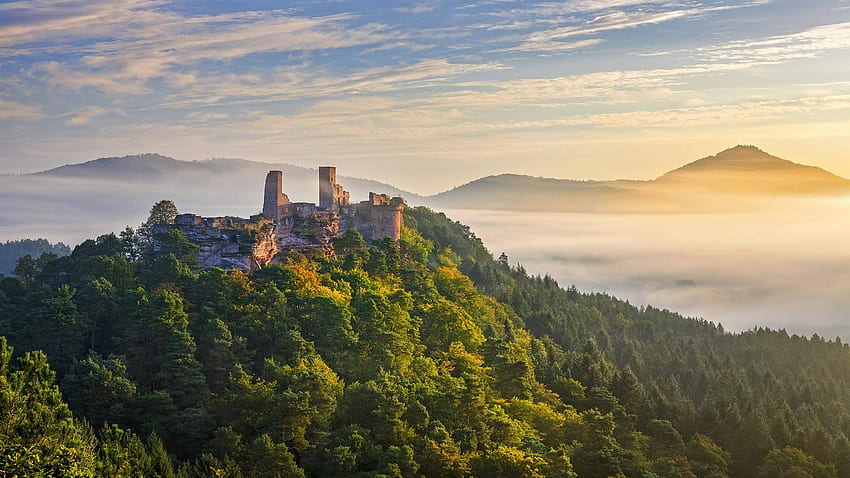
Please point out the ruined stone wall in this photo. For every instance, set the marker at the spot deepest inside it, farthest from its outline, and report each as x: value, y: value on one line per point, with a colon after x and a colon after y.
x: 327, y: 187
x: 296, y: 211
x: 341, y: 196
x: 247, y: 244
x: 378, y: 218
x: 273, y: 196
x: 376, y: 199
x: 386, y: 221
x: 188, y: 220
x: 332, y: 196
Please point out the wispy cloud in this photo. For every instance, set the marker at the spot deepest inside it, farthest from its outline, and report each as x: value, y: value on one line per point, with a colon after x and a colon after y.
x: 363, y: 123
x: 19, y: 111
x: 419, y: 8
x: 780, y: 109
x: 429, y: 77
x: 310, y: 82
x: 553, y: 44
x: 559, y: 12
x: 725, y: 114
x: 626, y: 86
x: 810, y: 43
x: 86, y: 115
x: 29, y: 24
x: 145, y: 42
x: 556, y: 38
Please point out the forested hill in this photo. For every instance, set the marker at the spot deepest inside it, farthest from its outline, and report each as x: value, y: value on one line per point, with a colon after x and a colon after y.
x: 144, y: 172
x: 71, y: 202
x: 11, y: 251
x: 426, y: 357
x: 738, y: 178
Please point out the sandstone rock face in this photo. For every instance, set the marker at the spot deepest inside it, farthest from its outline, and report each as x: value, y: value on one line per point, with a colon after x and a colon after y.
x: 265, y: 249
x: 227, y: 242
x: 248, y: 244
x: 285, y: 226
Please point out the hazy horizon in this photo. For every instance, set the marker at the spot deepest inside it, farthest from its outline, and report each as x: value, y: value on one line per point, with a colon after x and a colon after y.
x: 683, y: 163
x: 753, y: 269
x: 429, y: 95
x: 426, y: 95
x: 783, y: 265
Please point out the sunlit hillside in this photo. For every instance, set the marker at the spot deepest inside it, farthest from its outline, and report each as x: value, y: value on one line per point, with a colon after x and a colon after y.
x: 737, y: 179
x: 744, y: 170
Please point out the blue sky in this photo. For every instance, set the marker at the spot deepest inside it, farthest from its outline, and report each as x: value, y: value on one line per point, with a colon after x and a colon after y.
x: 426, y: 94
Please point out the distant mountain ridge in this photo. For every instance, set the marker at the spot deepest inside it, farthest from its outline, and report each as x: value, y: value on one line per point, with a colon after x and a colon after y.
x: 744, y: 169
x: 745, y: 158
x: 739, y: 171
x: 69, y: 202
x: 144, y: 167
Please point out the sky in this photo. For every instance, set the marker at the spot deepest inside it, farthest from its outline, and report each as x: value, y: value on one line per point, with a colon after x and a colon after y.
x: 426, y: 94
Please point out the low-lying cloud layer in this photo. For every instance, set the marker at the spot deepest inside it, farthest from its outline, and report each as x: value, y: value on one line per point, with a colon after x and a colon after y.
x: 785, y: 268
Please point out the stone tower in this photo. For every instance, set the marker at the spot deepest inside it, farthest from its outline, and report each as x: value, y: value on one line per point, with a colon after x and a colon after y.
x: 386, y: 216
x: 331, y: 194
x: 273, y: 197
x: 327, y: 187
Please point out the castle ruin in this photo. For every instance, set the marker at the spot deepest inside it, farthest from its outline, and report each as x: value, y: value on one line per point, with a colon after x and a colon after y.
x: 247, y: 244
x: 331, y: 195
x: 377, y: 218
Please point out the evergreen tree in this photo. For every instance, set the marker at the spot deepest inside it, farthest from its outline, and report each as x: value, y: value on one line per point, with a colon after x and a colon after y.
x: 38, y: 435
x: 163, y: 212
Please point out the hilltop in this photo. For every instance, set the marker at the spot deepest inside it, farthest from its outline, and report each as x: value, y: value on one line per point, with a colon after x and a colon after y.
x: 702, y: 184
x: 236, y: 174
x: 418, y: 357
x: 70, y: 202
x: 749, y: 170
x: 519, y: 192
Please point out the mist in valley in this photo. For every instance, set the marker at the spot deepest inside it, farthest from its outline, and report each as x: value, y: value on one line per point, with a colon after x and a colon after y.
x: 780, y: 263
x: 787, y: 266
x: 72, y: 210
x: 74, y: 203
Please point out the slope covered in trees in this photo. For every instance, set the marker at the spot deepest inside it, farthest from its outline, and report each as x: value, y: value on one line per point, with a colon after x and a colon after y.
x: 11, y: 251
x: 425, y: 357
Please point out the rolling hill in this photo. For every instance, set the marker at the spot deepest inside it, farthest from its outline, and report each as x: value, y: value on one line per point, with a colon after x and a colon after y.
x: 744, y: 174
x: 749, y: 170
x: 69, y: 202
x: 243, y: 176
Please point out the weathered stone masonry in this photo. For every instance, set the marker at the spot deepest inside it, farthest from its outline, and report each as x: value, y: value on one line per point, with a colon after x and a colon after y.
x: 246, y: 244
x: 377, y: 218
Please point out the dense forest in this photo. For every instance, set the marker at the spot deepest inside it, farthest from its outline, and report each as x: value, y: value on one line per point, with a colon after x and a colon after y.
x: 11, y: 251
x: 422, y: 357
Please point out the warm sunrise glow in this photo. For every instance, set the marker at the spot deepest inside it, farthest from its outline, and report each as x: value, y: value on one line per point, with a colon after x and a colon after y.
x: 426, y: 94
x: 425, y: 238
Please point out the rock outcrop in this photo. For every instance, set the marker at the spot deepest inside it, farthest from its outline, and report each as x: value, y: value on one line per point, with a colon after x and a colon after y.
x: 285, y: 226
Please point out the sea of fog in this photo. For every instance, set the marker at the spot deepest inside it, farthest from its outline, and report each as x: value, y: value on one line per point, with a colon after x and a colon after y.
x: 784, y: 268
